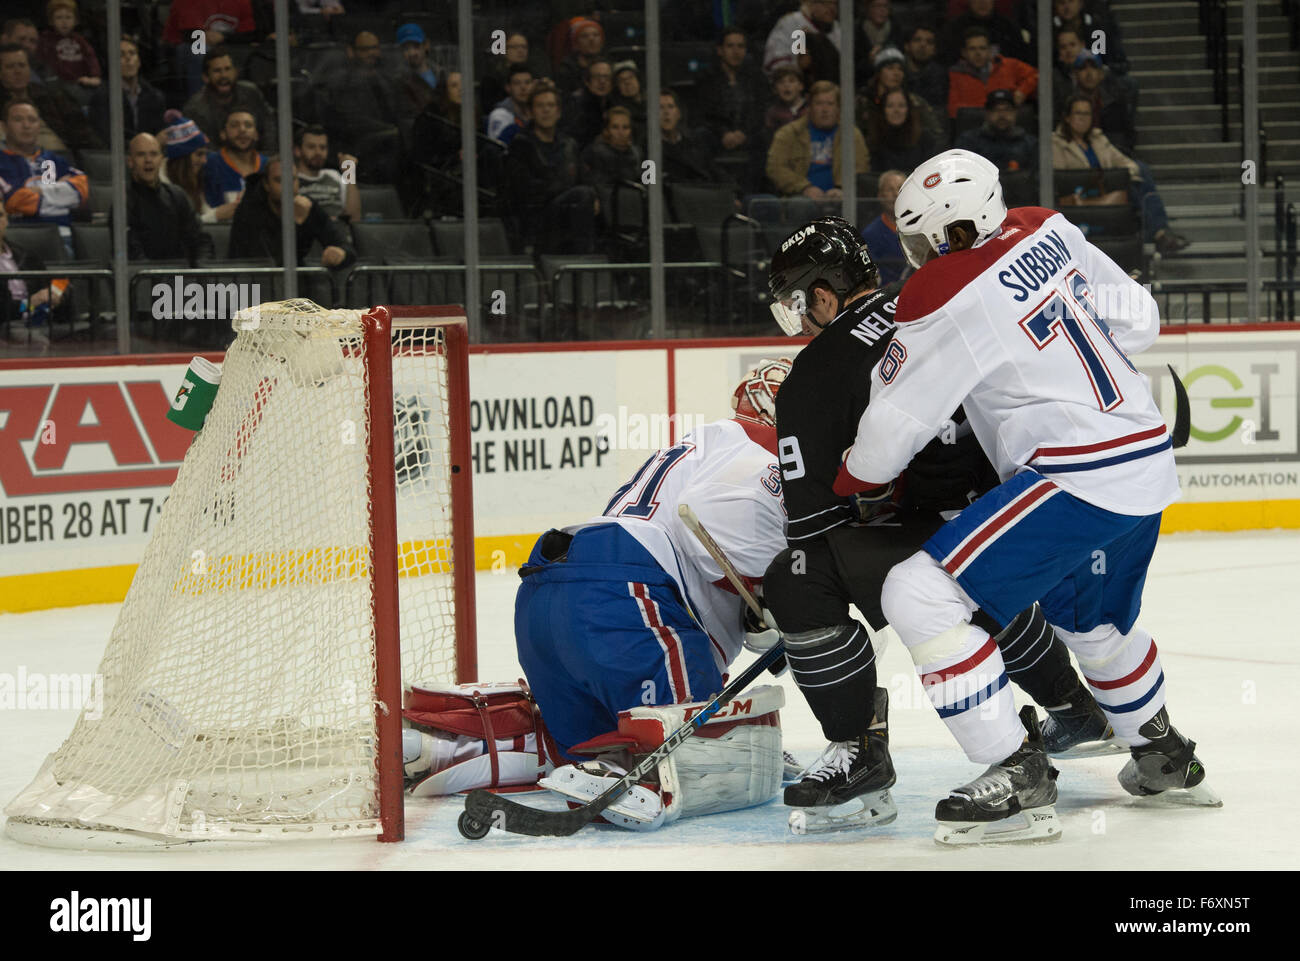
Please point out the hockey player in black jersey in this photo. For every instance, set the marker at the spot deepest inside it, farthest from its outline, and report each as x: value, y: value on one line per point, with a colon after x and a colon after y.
x: 824, y: 284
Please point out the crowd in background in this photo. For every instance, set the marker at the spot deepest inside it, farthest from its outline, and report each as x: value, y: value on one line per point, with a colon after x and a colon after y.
x: 750, y: 102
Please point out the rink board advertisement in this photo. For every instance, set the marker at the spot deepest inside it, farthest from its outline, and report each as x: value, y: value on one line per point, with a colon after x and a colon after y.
x: 87, y: 455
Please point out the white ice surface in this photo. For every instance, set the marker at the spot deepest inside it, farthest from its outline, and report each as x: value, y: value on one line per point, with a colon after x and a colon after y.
x: 1225, y: 613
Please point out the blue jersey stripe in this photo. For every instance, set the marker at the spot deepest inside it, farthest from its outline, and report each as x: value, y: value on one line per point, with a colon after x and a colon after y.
x: 1105, y: 462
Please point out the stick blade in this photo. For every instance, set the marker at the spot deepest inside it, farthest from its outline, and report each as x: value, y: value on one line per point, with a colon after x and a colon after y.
x: 515, y: 818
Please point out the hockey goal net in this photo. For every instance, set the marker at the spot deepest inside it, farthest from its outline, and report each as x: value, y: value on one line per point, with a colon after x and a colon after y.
x: 315, y: 549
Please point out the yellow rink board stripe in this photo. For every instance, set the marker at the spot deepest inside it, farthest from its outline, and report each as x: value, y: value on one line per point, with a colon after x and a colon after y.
x: 108, y: 585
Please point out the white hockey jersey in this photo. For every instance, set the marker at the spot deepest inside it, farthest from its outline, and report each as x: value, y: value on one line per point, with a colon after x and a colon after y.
x: 1028, y: 331
x: 734, y: 486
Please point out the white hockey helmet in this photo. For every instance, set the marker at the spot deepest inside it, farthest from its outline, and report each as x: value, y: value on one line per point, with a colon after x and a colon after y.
x: 949, y: 188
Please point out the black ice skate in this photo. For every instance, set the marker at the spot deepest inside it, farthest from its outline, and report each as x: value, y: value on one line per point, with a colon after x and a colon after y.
x: 1078, y: 728
x: 848, y: 786
x: 1167, y: 768
x: 1011, y: 801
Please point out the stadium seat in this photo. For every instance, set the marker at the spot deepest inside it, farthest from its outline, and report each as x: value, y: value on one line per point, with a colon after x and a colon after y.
x: 220, y: 234
x: 97, y: 164
x: 1103, y: 181
x: 93, y: 242
x: 377, y: 240
x: 41, y: 239
x: 449, y: 238
x: 381, y: 202
x: 1112, y: 221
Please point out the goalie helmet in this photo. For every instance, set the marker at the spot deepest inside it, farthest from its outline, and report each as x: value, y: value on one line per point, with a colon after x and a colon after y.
x: 754, y: 400
x: 947, y: 189
x: 828, y: 251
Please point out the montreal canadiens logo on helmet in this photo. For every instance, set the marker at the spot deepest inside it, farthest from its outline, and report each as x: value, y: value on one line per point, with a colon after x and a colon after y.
x: 932, y: 180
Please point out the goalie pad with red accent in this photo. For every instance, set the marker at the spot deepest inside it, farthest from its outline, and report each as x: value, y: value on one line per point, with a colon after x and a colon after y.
x: 734, y: 761
x: 464, y: 736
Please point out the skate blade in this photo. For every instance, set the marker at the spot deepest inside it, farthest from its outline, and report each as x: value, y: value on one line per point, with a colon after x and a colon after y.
x: 1035, y: 826
x: 1202, y: 796
x: 868, y: 810
x: 1091, y: 749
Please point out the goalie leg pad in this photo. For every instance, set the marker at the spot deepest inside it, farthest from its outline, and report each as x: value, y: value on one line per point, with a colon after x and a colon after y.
x: 734, y: 761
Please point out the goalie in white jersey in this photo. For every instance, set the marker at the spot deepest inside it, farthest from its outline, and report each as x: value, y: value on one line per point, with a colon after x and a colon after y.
x: 624, y: 622
x: 1025, y: 324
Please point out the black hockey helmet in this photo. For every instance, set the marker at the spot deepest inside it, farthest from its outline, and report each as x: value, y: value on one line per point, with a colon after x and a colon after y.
x: 828, y: 251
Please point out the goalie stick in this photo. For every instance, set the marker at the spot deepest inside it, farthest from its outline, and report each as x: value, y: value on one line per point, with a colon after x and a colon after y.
x: 485, y: 810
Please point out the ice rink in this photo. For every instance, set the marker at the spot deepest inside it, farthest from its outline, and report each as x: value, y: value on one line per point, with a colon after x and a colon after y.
x: 1224, y: 610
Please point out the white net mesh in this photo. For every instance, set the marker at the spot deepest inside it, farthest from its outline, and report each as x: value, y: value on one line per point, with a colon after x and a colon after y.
x: 238, y: 691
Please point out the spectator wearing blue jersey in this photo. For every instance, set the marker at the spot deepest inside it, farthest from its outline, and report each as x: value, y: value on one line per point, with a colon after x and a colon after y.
x: 237, y: 159
x: 881, y: 235
x: 510, y: 115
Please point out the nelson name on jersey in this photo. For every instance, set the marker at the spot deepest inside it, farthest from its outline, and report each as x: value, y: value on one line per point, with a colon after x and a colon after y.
x: 1036, y: 266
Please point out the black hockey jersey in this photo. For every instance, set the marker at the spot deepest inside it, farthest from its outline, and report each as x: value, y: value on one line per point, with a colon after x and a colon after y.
x: 818, y: 408
x: 817, y: 412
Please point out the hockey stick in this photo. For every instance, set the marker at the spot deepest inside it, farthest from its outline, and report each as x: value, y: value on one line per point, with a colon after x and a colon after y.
x: 485, y: 810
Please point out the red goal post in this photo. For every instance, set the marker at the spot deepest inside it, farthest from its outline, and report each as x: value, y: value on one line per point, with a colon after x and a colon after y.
x: 315, y: 555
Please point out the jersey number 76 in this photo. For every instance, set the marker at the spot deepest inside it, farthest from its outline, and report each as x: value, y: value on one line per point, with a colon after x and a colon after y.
x: 1074, y: 316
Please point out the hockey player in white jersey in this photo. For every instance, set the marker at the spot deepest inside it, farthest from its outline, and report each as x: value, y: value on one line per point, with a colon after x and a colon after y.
x: 624, y: 624
x: 1019, y: 319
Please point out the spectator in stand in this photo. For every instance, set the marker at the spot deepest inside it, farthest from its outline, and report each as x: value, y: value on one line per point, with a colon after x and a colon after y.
x: 63, y: 125
x: 612, y: 157
x: 222, y: 93
x: 228, y: 168
x: 879, y: 30
x: 1000, y: 140
x: 686, y: 21
x: 160, y: 222
x: 435, y: 135
x: 586, y: 41
x: 1092, y: 25
x: 889, y: 76
x: 38, y: 186
x: 1068, y: 46
x: 584, y: 111
x: 881, y: 235
x: 417, y: 81
x: 558, y: 213
x: 142, y: 103
x: 255, y: 231
x: 220, y: 21
x: 497, y: 70
x: 1002, y: 33
x: 324, y: 186
x: 980, y: 71
x: 922, y: 73
x: 805, y: 156
x: 896, y: 136
x: 509, y: 116
x: 23, y: 32
x: 732, y: 109
x: 788, y: 102
x: 70, y: 56
x: 25, y: 304
x: 821, y: 40
x: 627, y: 94
x: 361, y: 113
x: 1078, y: 144
x: 687, y: 157
x: 186, y: 149
x: 1109, y: 98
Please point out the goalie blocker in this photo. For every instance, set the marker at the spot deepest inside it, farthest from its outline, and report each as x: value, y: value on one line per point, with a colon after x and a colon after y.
x: 734, y: 761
